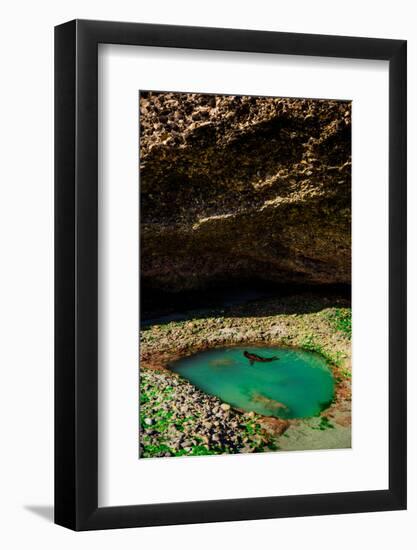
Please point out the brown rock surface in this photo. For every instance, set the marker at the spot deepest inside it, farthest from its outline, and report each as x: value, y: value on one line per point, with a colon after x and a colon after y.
x: 244, y: 187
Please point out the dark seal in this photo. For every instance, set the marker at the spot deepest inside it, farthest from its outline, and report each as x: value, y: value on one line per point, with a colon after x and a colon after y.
x: 257, y: 358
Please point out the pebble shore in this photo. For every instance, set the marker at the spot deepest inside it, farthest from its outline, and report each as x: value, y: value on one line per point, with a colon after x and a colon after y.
x: 178, y: 419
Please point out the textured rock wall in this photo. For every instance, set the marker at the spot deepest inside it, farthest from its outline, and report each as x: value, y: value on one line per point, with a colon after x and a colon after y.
x: 244, y: 187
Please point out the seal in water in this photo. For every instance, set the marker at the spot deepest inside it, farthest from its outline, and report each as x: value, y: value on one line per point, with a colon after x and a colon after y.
x: 253, y: 357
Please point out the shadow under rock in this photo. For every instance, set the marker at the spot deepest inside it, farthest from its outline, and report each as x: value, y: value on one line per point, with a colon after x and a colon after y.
x: 241, y: 301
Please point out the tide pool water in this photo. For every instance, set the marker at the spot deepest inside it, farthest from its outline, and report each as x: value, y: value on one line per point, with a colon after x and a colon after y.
x: 297, y: 384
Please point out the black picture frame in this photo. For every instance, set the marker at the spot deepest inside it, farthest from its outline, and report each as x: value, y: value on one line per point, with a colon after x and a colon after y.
x: 76, y: 271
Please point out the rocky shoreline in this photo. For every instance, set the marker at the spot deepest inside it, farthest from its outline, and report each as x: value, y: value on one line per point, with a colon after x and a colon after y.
x: 177, y: 419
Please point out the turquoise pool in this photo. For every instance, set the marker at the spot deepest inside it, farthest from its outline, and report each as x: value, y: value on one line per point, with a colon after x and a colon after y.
x: 294, y: 384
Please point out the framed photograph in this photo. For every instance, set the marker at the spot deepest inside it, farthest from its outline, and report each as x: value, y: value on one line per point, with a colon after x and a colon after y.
x: 230, y: 245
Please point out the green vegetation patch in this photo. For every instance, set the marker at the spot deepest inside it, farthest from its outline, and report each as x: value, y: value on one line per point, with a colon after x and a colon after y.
x: 325, y: 424
x: 341, y: 320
